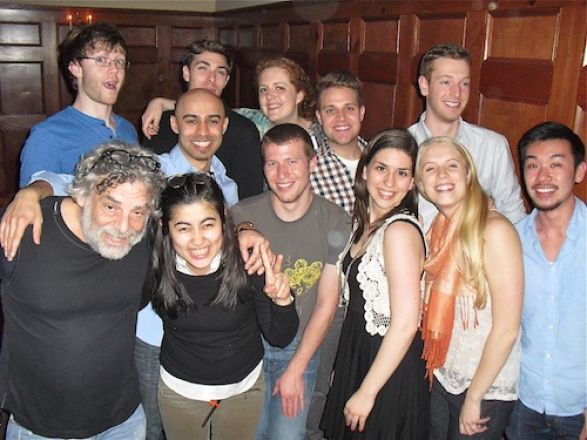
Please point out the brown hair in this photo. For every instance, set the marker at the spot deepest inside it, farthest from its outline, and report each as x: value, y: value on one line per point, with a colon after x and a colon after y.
x: 298, y: 77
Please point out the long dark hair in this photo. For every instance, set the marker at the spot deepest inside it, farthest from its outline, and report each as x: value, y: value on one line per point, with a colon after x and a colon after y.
x: 168, y: 293
x: 399, y: 139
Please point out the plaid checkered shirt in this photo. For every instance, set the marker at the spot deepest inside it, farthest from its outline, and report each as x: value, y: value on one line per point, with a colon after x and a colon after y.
x: 331, y: 179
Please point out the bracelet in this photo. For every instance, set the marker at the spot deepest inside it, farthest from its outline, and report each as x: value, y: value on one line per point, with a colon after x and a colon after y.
x: 245, y: 226
x: 291, y: 300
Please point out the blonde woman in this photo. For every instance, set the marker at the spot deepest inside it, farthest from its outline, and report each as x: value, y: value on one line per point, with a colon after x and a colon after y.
x: 474, y: 285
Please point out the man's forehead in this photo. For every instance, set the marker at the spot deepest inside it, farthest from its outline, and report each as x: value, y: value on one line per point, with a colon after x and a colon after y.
x: 549, y: 148
x: 133, y: 193
x: 104, y: 46
x: 201, y: 105
x: 206, y: 56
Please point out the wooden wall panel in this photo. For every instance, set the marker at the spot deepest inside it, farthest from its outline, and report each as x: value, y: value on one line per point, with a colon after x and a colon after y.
x: 511, y: 118
x: 527, y: 58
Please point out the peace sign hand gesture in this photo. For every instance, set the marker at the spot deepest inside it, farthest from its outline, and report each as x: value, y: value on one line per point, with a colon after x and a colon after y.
x: 276, y: 282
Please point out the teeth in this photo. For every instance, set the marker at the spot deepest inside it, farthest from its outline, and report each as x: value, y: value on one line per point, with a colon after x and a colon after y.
x: 452, y: 104
x: 544, y: 190
x: 284, y: 185
x: 444, y: 187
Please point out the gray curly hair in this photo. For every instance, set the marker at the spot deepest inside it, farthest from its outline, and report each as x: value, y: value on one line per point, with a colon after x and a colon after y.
x: 114, y: 163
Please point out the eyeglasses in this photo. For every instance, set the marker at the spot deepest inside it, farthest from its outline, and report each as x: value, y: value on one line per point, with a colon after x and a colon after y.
x: 114, y: 159
x: 100, y: 61
x: 181, y: 180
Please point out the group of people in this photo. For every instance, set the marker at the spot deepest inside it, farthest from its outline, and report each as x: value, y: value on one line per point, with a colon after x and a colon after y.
x: 267, y: 273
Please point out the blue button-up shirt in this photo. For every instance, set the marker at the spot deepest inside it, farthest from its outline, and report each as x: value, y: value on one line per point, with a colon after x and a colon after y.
x: 149, y: 324
x: 175, y: 162
x: 554, y: 330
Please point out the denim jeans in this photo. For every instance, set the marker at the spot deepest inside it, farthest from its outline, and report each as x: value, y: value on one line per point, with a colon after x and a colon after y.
x: 133, y: 428
x: 273, y: 424
x: 148, y: 368
x: 445, y: 409
x: 527, y: 424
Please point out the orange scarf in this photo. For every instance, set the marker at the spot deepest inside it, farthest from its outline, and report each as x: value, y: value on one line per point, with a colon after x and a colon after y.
x: 443, y: 285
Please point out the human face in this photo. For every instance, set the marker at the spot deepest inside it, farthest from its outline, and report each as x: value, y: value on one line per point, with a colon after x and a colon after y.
x: 278, y: 97
x: 96, y: 84
x: 114, y: 221
x: 196, y: 232
x: 447, y: 91
x: 287, y: 170
x: 443, y: 177
x: 208, y: 70
x: 200, y: 122
x: 340, y: 115
x: 388, y: 178
x: 550, y: 173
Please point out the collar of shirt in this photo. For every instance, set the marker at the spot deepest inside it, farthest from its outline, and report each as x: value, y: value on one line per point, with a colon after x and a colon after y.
x: 175, y: 162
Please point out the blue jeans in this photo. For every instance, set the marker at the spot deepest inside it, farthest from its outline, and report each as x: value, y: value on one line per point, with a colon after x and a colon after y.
x: 148, y: 368
x: 273, y: 424
x: 527, y: 424
x: 133, y: 428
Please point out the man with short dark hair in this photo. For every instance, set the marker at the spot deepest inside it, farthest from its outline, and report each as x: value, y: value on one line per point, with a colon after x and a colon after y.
x: 310, y: 232
x: 207, y: 64
x: 553, y: 380
x: 340, y: 112
x: 70, y: 303
x: 93, y: 60
x: 444, y: 81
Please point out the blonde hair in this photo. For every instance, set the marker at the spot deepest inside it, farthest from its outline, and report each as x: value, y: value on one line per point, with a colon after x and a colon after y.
x: 472, y: 221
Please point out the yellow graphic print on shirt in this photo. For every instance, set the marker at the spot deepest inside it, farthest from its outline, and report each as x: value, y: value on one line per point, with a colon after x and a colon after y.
x: 302, y: 276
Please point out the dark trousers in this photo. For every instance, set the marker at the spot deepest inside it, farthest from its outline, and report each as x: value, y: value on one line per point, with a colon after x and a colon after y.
x: 445, y: 409
x: 527, y: 424
x: 148, y: 365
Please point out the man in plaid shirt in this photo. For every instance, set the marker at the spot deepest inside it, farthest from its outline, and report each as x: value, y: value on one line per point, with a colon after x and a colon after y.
x: 340, y: 112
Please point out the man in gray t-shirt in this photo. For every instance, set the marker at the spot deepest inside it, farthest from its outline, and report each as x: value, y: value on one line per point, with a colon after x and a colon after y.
x: 310, y: 232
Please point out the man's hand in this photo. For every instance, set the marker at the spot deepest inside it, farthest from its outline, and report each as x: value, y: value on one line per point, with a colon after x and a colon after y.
x: 357, y: 409
x: 249, y: 243
x: 151, y: 117
x: 290, y: 387
x: 23, y: 211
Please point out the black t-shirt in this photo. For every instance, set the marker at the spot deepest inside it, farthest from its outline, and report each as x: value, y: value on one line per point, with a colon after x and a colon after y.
x: 240, y: 151
x: 211, y: 346
x: 70, y: 318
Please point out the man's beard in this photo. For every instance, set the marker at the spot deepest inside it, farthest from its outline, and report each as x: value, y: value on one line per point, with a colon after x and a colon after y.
x: 93, y: 236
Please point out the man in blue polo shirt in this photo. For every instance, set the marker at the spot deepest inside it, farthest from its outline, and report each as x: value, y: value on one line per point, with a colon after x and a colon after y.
x: 553, y: 384
x: 93, y: 61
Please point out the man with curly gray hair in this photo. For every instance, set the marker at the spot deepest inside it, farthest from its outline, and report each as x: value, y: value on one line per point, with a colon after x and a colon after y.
x: 70, y: 303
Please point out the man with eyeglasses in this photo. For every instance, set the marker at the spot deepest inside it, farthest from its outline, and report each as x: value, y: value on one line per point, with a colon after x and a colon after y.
x: 70, y: 303
x: 93, y: 61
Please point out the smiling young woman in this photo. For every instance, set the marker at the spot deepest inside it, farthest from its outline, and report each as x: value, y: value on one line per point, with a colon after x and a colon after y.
x: 213, y: 315
x: 473, y: 299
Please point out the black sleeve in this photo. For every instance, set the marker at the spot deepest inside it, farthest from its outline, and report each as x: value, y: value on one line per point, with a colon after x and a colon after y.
x: 166, y: 139
x: 240, y: 153
x: 6, y: 267
x: 279, y: 324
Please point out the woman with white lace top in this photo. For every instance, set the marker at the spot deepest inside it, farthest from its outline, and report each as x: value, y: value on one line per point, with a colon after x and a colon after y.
x: 473, y: 299
x: 379, y: 389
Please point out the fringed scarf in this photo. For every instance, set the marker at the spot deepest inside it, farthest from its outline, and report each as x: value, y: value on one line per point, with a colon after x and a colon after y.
x: 443, y: 285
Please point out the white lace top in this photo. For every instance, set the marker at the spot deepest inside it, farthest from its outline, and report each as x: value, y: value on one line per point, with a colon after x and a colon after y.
x: 465, y: 349
x: 372, y: 280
